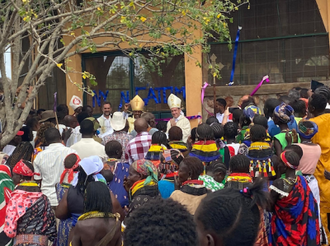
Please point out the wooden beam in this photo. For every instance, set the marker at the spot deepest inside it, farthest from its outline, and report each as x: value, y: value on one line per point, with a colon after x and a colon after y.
x: 324, y: 6
x: 265, y: 89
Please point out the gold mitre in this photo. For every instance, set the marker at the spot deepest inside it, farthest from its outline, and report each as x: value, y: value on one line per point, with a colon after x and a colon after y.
x: 173, y: 101
x: 137, y: 104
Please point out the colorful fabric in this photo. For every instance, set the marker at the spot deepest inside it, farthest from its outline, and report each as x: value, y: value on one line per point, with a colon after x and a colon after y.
x: 210, y: 183
x: 142, y: 195
x: 30, y: 239
x: 22, y: 169
x: 241, y: 135
x: 117, y: 183
x: 39, y: 220
x: 18, y: 205
x: 146, y: 168
x: 306, y: 132
x: 140, y: 184
x: 251, y: 110
x: 138, y: 147
x: 180, y: 145
x: 70, y: 171
x: 286, y: 162
x: 284, y: 113
x: 295, y: 218
x: 261, y: 164
x: 206, y: 151
x: 154, y: 152
x: 239, y: 177
x: 64, y: 226
x: 322, y: 139
x: 6, y: 187
x: 281, y: 138
x: 37, y: 150
x: 166, y: 188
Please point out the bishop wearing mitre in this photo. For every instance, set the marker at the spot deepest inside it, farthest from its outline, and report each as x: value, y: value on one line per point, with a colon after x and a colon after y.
x: 178, y: 117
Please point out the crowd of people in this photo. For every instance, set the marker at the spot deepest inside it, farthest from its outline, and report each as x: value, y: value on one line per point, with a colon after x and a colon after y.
x: 247, y: 176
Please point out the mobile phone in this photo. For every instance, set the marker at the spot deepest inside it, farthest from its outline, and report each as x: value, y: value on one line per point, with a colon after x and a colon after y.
x: 231, y: 109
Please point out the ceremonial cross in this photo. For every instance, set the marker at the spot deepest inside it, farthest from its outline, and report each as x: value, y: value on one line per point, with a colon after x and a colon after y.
x: 137, y: 102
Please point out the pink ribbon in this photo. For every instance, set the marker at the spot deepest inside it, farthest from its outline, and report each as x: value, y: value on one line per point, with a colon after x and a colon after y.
x: 202, y: 95
x: 265, y: 78
x: 193, y: 117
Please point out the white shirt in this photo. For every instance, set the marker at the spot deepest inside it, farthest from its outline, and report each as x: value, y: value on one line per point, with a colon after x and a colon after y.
x: 34, y: 133
x: 61, y: 128
x: 87, y: 147
x: 9, y: 149
x: 105, y: 125
x: 75, y: 137
x: 50, y: 164
x: 220, y: 117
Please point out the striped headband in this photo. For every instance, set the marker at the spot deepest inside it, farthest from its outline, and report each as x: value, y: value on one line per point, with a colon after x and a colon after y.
x: 288, y: 164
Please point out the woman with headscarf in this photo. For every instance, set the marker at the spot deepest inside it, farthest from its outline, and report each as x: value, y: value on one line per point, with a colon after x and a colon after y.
x: 189, y: 190
x: 29, y: 216
x: 141, y: 183
x: 168, y: 169
x: 6, y: 187
x: 71, y: 164
x: 72, y: 202
x: 295, y: 212
x: 283, y: 114
x: 23, y: 151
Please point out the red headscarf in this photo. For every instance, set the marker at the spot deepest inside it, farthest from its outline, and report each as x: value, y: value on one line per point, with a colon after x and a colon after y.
x: 22, y: 169
x: 5, y: 169
x: 70, y: 171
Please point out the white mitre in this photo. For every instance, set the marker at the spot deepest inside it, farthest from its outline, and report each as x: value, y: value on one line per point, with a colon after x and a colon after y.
x: 173, y: 101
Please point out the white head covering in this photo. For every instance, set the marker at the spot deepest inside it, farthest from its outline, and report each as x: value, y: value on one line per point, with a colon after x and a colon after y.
x: 118, y: 121
x: 173, y: 101
x: 75, y: 102
x: 91, y: 165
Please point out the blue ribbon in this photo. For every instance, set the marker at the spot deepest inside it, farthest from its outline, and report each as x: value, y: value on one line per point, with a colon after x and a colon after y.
x: 234, y: 58
x: 151, y: 95
x: 123, y: 97
x: 181, y: 91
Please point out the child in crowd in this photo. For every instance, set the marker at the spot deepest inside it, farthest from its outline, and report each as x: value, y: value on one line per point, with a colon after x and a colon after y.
x: 230, y: 134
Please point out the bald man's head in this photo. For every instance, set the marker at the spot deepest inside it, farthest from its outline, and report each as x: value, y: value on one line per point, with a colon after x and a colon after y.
x: 140, y: 125
x: 70, y: 121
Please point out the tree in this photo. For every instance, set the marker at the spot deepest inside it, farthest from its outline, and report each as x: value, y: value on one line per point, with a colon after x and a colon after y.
x: 161, y: 27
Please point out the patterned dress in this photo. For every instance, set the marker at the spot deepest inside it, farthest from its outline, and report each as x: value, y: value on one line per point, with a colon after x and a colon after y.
x: 295, y: 218
x: 64, y: 226
x: 30, y: 219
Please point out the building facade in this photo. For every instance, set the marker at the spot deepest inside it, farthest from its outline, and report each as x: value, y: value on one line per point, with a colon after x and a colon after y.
x: 285, y: 39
